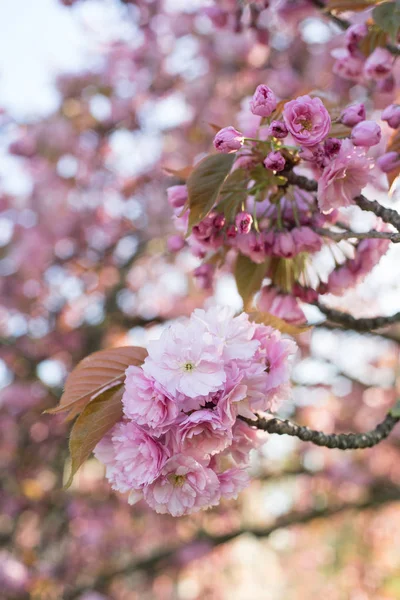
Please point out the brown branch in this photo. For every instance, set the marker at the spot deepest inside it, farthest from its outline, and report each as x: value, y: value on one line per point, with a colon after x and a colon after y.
x: 388, y: 215
x: 168, y: 556
x: 341, y: 441
x: 361, y: 324
x: 338, y: 236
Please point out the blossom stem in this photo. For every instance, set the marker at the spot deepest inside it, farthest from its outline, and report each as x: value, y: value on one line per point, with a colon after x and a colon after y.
x: 341, y: 441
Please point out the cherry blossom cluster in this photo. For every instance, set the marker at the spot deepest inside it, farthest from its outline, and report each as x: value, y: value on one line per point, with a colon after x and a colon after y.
x: 181, y: 446
x: 260, y: 215
x: 352, y: 62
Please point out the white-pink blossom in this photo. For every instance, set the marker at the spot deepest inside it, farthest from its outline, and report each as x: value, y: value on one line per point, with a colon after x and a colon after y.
x: 184, y: 486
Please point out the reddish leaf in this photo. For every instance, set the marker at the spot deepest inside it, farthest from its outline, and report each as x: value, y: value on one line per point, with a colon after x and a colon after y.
x: 97, y: 418
x: 94, y: 375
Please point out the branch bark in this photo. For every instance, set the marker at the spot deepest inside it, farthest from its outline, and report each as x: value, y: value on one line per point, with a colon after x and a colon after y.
x: 388, y: 215
x: 338, y: 236
x: 341, y: 441
x: 361, y: 324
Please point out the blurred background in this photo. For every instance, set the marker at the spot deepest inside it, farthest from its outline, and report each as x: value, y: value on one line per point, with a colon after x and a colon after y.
x: 99, y: 100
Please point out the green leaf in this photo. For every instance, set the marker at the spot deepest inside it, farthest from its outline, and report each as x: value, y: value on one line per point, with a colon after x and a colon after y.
x: 233, y: 192
x: 387, y: 17
x: 204, y: 185
x: 99, y: 416
x: 249, y: 277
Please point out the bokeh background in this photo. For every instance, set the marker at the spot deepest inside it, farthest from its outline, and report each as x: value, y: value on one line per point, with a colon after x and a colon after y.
x: 99, y: 99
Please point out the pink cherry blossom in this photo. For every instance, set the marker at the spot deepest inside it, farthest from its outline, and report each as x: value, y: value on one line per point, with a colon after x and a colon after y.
x: 203, y: 433
x: 145, y: 402
x: 307, y: 120
x: 233, y: 335
x: 132, y: 457
x: 184, y: 486
x: 344, y: 178
x: 184, y: 360
x: 233, y: 481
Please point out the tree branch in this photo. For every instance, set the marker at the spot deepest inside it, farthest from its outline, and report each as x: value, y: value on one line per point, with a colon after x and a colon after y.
x: 167, y: 556
x: 338, y: 236
x: 388, y: 215
x: 361, y: 324
x: 341, y: 441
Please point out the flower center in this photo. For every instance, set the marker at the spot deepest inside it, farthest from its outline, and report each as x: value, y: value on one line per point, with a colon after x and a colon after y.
x: 178, y: 480
x: 306, y: 124
x: 188, y: 366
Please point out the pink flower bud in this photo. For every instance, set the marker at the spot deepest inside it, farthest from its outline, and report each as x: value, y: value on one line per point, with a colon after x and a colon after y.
x: 244, y: 222
x: 388, y: 162
x: 219, y: 222
x: 379, y: 64
x: 177, y: 195
x: 352, y: 115
x: 217, y: 16
x: 278, y: 130
x: 263, y: 102
x: 332, y: 147
x: 228, y: 140
x: 275, y: 161
x: 348, y: 66
x: 391, y: 115
x: 386, y: 86
x: 366, y: 133
x: 204, y: 276
x: 231, y: 231
x: 355, y: 33
x: 175, y: 243
x: 284, y: 245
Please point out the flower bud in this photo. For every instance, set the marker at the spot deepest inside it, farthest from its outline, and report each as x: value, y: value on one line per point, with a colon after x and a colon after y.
x: 175, y: 243
x: 352, y: 115
x: 355, y: 33
x: 275, y: 161
x: 231, y: 231
x: 177, y: 195
x: 244, y: 222
x: 263, y: 102
x: 228, y: 140
x: 332, y: 147
x: 366, y: 133
x: 204, y: 276
x: 391, y: 115
x: 388, y: 162
x: 379, y: 64
x: 278, y: 130
x: 219, y: 221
